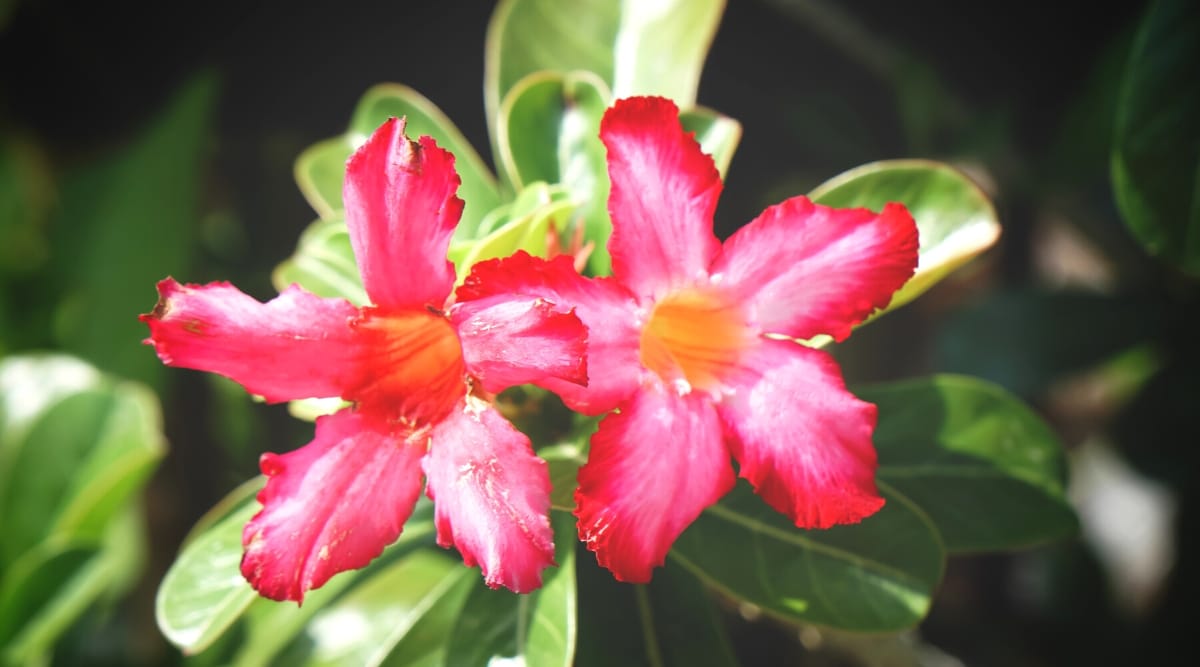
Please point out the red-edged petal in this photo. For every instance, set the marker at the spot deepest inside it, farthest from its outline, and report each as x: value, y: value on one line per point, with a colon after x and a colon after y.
x: 401, y: 209
x: 330, y: 506
x: 296, y: 345
x: 491, y: 497
x: 801, y: 439
x: 664, y: 192
x: 606, y: 308
x: 510, y: 339
x: 808, y: 269
x: 653, y: 467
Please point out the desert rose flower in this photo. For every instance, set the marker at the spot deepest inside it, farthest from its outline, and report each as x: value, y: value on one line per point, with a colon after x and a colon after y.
x: 417, y: 368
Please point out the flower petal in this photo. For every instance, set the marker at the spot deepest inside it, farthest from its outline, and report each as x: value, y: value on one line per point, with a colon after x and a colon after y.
x: 801, y: 439
x: 401, y: 209
x: 664, y: 192
x: 606, y: 308
x: 296, y: 345
x: 509, y: 340
x: 653, y: 467
x: 330, y: 506
x: 491, y: 497
x: 808, y: 269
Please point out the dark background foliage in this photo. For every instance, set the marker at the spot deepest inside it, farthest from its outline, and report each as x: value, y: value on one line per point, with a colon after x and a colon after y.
x: 1021, y: 92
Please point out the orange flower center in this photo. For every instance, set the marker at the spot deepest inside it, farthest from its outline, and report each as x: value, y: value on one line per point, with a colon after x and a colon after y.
x: 693, y: 339
x: 412, y: 367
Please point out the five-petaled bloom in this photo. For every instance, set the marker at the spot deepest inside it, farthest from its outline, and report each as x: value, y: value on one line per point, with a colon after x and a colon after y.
x: 417, y: 370
x: 680, y: 345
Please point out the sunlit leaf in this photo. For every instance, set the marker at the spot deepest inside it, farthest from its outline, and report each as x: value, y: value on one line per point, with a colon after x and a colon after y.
x: 718, y: 134
x: 126, y: 222
x: 875, y: 576
x: 955, y: 219
x: 549, y: 130
x: 323, y: 263
x: 204, y: 591
x: 536, y: 630
x: 637, y: 48
x: 363, y: 626
x: 986, y: 469
x: 526, y: 224
x: 1156, y: 146
x: 321, y: 168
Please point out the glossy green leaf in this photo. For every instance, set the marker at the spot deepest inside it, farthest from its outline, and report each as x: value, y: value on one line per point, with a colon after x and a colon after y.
x: 204, y: 593
x: 321, y: 168
x: 109, y: 570
x: 271, y: 627
x: 363, y: 626
x: 1156, y: 148
x: 126, y: 222
x: 536, y: 630
x: 35, y: 579
x: 718, y: 134
x: 425, y: 643
x: 549, y: 130
x: 323, y: 263
x: 875, y: 576
x: 987, y: 470
x: 74, y: 448
x: 955, y: 219
x: 526, y: 224
x: 671, y: 622
x: 637, y: 48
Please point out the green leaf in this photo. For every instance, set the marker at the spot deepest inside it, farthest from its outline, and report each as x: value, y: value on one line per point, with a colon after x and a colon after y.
x: 718, y: 134
x: 74, y: 447
x: 671, y: 622
x: 536, y: 630
x: 637, y: 48
x: 323, y: 264
x: 109, y: 570
x: 875, y: 576
x: 363, y: 626
x: 321, y: 168
x: 126, y: 222
x: 955, y: 219
x: 26, y: 195
x: 1156, y: 149
x: 549, y: 130
x: 35, y: 579
x: 425, y: 643
x: 204, y: 593
x: 526, y: 224
x: 981, y: 464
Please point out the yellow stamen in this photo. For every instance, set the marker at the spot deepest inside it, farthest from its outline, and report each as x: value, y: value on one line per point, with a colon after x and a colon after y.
x: 693, y: 339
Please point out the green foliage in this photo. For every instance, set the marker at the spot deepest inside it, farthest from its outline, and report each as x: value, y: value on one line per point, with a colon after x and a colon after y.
x: 955, y: 219
x: 1156, y: 148
x: 76, y: 446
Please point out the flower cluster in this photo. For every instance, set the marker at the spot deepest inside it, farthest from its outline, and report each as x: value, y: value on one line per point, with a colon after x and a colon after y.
x: 689, y: 348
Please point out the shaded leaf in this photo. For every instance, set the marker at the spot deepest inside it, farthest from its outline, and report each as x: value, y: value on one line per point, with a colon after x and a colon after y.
x: 718, y: 134
x: 987, y: 470
x: 955, y: 219
x: 1156, y: 148
x: 875, y: 576
x: 126, y: 222
x: 323, y: 264
x: 537, y: 629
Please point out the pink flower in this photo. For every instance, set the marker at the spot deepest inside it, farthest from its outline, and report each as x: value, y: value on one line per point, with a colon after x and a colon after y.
x: 415, y: 368
x: 681, y: 345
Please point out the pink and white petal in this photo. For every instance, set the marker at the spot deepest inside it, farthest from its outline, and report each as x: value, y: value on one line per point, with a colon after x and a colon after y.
x: 491, y: 497
x: 808, y: 269
x: 800, y: 437
x: 509, y: 340
x: 401, y: 210
x: 297, y: 345
x: 604, y: 306
x: 653, y: 467
x: 330, y: 506
x: 664, y: 192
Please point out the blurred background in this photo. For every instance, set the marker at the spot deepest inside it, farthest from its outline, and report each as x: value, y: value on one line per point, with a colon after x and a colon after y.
x: 140, y: 140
